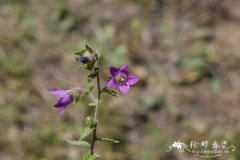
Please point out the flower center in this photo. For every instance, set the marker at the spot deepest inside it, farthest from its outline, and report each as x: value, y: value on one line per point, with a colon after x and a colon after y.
x: 121, y: 78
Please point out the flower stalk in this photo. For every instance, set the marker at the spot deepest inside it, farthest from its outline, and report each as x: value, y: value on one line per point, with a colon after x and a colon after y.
x: 94, y: 134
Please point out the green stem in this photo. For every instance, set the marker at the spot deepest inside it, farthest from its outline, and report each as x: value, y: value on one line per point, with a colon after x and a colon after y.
x: 94, y: 135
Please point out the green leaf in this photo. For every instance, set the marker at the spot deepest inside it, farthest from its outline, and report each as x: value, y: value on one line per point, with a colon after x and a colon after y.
x: 109, y: 140
x: 79, y: 143
x: 95, y: 103
x: 87, y: 156
x: 96, y: 69
x: 85, y: 132
x: 89, y: 49
x: 81, y: 53
x: 92, y: 104
x: 91, y: 77
x: 89, y: 122
x: 90, y: 88
x: 111, y: 92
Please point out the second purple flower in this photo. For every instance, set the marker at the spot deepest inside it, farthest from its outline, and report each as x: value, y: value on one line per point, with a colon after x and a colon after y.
x: 66, y: 98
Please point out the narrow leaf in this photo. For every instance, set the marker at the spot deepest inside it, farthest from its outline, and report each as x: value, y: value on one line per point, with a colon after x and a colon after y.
x: 89, y: 122
x: 90, y: 88
x: 89, y: 49
x: 85, y: 132
x: 80, y: 53
x: 111, y: 92
x: 109, y: 140
x: 87, y: 156
x: 79, y: 143
x: 92, y: 104
x: 91, y: 77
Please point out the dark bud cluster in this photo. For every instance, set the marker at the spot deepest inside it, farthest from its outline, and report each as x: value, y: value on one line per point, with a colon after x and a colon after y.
x: 83, y: 60
x: 87, y: 58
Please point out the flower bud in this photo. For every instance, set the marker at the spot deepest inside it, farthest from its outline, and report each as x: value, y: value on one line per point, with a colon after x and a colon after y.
x: 88, y: 58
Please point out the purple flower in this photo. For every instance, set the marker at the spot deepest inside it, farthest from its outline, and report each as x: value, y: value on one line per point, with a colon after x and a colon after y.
x: 65, y: 99
x: 122, y: 79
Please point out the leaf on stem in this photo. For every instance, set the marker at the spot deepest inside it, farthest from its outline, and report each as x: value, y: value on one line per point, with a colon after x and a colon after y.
x: 85, y: 132
x: 111, y: 92
x: 92, y: 104
x: 79, y: 143
x: 89, y: 49
x: 80, y: 53
x: 90, y: 88
x: 91, y: 77
x: 109, y: 140
x: 87, y: 156
x: 89, y: 122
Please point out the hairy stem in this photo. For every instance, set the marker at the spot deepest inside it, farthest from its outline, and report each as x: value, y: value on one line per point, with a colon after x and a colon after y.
x: 94, y: 135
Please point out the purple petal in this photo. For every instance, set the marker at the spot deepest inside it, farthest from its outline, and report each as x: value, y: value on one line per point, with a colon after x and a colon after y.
x: 125, y: 69
x: 124, y: 89
x: 64, y: 101
x: 114, y: 71
x: 112, y: 83
x: 63, y: 110
x: 132, y: 80
x: 59, y: 92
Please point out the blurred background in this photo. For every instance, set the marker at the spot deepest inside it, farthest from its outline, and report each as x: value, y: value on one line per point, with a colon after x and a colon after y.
x: 186, y: 52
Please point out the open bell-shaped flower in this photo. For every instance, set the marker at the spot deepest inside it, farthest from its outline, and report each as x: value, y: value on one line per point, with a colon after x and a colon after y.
x: 122, y: 79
